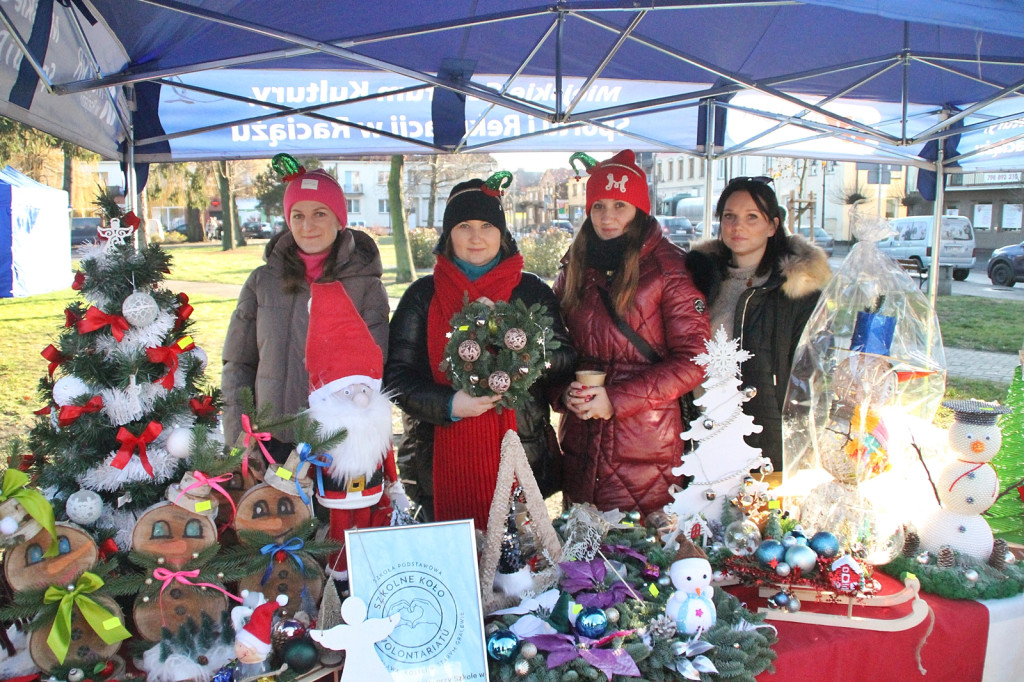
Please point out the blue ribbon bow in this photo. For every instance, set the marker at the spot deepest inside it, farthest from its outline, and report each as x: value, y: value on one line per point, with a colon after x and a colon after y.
x: 290, y: 548
x: 317, y: 463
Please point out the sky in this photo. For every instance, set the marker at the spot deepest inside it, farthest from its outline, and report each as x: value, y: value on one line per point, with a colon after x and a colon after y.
x: 538, y: 161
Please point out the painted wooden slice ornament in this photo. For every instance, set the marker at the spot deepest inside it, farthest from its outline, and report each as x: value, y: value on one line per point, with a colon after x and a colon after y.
x: 266, y: 509
x: 169, y: 531
x: 174, y: 607
x: 286, y: 578
x: 86, y: 646
x: 25, y: 566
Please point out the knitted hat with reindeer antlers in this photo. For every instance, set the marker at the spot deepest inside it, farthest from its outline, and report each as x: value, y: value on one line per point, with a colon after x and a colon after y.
x: 616, y: 178
x: 475, y: 199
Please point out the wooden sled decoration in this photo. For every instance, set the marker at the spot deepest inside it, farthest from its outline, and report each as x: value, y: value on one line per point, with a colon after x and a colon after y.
x: 909, y: 593
x: 514, y: 466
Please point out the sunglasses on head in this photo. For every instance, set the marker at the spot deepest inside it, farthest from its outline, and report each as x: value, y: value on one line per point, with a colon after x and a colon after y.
x: 762, y: 179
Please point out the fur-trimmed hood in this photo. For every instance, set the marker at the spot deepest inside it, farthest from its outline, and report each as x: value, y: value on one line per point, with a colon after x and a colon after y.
x: 803, y: 269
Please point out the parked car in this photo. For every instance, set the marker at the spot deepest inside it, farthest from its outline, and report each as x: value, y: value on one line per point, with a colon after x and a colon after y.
x: 678, y: 229
x: 1006, y: 266
x: 913, y: 241
x: 563, y: 225
x: 821, y: 238
x: 84, y: 230
x: 257, y: 228
x: 699, y: 229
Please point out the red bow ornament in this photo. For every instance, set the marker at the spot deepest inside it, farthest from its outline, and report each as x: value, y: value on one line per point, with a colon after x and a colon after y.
x: 54, y: 356
x: 184, y: 310
x: 79, y: 281
x: 71, y: 317
x: 97, y: 319
x: 203, y: 407
x: 168, y: 355
x: 69, y: 413
x: 130, y: 443
x: 131, y: 220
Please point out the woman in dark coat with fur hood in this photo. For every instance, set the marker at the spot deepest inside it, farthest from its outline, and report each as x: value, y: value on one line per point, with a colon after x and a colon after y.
x: 762, y: 286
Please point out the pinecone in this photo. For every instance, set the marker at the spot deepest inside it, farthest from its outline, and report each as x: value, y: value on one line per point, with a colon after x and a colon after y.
x: 662, y: 627
x: 998, y: 558
x: 946, y: 557
x: 911, y: 543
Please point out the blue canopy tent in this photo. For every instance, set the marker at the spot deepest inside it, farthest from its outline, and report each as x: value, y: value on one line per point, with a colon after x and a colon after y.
x: 176, y: 80
x: 35, y: 242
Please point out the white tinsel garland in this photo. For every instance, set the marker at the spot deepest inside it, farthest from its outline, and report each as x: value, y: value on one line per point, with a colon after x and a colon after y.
x: 137, y: 340
x: 122, y: 406
x: 110, y: 479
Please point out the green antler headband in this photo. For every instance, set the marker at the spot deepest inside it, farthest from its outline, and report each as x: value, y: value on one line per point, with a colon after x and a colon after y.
x: 287, y: 167
x: 585, y: 159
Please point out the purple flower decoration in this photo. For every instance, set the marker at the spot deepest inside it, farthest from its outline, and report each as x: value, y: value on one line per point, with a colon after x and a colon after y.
x: 564, y: 648
x: 624, y: 550
x: 585, y: 581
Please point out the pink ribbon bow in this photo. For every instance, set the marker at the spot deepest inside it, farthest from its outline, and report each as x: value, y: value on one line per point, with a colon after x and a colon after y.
x: 260, y: 438
x: 202, y: 479
x: 168, y: 576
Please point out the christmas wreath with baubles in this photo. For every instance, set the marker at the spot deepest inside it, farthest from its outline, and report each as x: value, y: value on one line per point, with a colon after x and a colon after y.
x: 499, y: 350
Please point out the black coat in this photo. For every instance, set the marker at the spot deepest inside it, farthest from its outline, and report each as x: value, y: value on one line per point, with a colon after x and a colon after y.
x: 769, y: 321
x: 425, y: 403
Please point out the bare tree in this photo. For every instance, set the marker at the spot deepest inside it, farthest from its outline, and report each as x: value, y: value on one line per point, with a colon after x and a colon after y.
x: 396, y: 200
x: 437, y: 171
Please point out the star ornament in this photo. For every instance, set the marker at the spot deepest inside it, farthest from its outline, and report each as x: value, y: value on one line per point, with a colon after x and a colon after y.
x: 722, y: 357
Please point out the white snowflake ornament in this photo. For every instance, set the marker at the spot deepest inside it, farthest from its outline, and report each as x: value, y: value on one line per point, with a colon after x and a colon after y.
x: 722, y: 357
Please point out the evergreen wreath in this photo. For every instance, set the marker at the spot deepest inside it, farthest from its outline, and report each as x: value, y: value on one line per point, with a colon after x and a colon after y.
x: 498, y: 351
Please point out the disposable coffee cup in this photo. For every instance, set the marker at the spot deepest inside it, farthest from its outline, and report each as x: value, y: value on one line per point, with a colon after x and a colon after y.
x: 590, y: 377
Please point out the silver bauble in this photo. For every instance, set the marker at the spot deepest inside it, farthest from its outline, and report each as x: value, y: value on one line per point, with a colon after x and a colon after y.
x: 140, y: 309
x: 971, y: 575
x: 528, y: 650
x: 84, y: 506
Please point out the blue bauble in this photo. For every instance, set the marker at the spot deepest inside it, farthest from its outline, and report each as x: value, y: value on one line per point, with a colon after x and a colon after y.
x: 225, y: 674
x: 802, y: 557
x: 797, y: 535
x: 779, y: 600
x: 825, y: 544
x: 503, y: 646
x: 592, y: 622
x: 770, y: 551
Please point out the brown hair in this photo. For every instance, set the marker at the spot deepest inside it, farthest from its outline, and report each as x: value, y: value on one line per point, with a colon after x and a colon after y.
x: 508, y: 246
x: 627, y: 277
x: 294, y: 270
x: 768, y: 204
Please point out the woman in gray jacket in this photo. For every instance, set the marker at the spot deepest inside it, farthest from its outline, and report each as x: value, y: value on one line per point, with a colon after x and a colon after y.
x: 265, y: 346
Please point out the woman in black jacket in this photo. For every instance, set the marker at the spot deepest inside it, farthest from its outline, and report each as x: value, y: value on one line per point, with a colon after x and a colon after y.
x: 762, y: 285
x: 449, y: 450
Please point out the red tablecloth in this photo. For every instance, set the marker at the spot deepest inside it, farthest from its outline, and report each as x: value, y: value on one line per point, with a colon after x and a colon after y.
x: 953, y: 652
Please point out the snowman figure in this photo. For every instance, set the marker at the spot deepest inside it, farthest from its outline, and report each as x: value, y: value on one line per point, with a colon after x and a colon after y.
x: 968, y: 486
x: 690, y: 606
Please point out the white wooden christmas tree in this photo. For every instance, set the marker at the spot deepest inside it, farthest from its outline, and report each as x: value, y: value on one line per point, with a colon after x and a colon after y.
x: 721, y: 459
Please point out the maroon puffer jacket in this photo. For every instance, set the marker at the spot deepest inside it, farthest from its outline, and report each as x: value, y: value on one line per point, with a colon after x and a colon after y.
x: 625, y: 463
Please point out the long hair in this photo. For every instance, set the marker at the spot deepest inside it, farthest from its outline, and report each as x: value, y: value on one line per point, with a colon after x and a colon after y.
x: 626, y: 278
x: 768, y: 204
x: 294, y: 270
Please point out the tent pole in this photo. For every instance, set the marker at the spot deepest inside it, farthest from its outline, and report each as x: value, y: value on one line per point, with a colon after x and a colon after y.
x: 940, y: 200
x: 709, y: 166
x: 130, y: 192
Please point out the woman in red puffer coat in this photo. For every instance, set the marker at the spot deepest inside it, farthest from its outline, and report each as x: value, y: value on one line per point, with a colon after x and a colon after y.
x: 621, y: 440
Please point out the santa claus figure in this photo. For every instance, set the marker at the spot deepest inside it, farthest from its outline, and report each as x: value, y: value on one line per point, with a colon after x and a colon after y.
x: 345, y: 366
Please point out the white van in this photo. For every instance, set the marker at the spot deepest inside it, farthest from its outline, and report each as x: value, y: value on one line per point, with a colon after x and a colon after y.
x: 913, y: 240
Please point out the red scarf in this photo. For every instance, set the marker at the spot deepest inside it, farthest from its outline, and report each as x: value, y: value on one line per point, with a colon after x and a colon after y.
x: 467, y: 452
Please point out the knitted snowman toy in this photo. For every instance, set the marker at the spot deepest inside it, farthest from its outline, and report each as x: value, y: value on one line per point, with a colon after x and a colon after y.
x: 968, y: 486
x: 690, y: 606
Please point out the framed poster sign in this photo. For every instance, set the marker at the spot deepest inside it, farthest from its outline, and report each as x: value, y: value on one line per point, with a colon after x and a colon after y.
x: 428, y: 575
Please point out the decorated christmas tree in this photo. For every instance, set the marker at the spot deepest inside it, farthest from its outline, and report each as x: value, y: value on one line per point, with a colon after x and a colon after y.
x: 1006, y: 516
x: 127, y: 412
x: 721, y: 459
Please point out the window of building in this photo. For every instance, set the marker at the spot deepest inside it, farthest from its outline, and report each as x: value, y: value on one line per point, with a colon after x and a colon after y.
x: 691, y: 172
x: 669, y: 165
x: 383, y: 206
x: 382, y: 177
x: 700, y: 169
x: 660, y: 175
x: 352, y: 205
x: 680, y: 168
x: 1012, y: 216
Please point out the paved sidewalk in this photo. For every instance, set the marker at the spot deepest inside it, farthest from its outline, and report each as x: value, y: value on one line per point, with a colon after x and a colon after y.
x: 980, y: 364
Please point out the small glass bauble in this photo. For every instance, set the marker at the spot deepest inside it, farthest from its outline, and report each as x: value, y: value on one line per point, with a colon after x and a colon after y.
x: 710, y: 495
x: 285, y: 630
x: 971, y: 575
x: 783, y: 570
x: 923, y: 558
x: 522, y: 667
x: 779, y: 600
x: 528, y: 650
x: 592, y: 622
x: 613, y: 614
x: 84, y: 506
x: 300, y: 654
x: 742, y: 537
x: 802, y: 557
x: 794, y: 605
x: 502, y: 646
x: 825, y: 544
x: 664, y: 581
x: 140, y: 309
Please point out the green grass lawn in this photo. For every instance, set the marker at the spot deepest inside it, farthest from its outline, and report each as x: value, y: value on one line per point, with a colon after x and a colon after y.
x: 29, y: 324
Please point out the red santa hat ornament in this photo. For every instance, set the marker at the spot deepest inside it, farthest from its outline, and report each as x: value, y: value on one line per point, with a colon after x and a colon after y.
x: 256, y: 633
x: 340, y: 351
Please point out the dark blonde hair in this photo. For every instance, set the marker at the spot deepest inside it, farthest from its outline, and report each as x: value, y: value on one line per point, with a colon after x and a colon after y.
x: 294, y: 270
x: 627, y: 277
